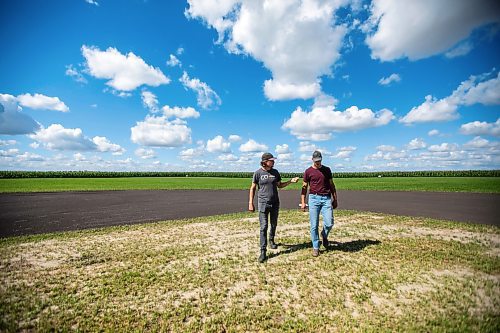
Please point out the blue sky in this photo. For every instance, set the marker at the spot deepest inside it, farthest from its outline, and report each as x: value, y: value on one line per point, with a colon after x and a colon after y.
x: 211, y: 85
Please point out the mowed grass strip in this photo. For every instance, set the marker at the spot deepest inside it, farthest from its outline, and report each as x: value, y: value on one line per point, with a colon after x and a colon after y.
x: 383, y: 273
x: 436, y: 184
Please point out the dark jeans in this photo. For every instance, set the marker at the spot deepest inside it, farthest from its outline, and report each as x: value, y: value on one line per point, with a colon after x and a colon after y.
x: 266, y: 210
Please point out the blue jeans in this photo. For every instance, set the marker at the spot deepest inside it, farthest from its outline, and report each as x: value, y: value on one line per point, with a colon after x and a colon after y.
x: 317, y: 204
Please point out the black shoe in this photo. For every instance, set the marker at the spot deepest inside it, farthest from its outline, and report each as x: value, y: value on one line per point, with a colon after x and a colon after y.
x: 263, y: 256
x: 273, y: 245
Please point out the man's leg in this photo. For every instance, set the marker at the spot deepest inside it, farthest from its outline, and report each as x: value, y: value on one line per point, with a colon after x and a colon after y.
x: 314, y: 207
x: 327, y: 212
x: 263, y: 214
x: 274, y: 212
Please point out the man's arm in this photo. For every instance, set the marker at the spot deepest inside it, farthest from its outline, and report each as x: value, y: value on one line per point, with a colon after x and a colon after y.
x: 334, y: 194
x: 285, y: 184
x: 251, y: 206
x: 303, y: 195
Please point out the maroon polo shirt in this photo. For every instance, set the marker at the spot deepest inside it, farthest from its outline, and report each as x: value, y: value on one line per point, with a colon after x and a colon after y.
x: 319, y: 180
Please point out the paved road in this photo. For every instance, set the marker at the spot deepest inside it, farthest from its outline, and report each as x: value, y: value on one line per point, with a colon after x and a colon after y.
x: 33, y: 213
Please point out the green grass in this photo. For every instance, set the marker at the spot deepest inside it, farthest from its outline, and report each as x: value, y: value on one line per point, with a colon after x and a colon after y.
x: 437, y: 184
x: 384, y: 274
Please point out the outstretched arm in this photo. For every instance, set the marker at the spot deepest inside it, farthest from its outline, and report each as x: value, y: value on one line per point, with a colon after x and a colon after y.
x: 285, y: 184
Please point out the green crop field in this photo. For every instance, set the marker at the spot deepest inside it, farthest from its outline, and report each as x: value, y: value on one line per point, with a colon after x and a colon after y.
x: 383, y: 274
x: 438, y: 184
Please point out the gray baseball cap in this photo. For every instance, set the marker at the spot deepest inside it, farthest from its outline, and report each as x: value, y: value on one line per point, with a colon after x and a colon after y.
x: 317, y: 156
x: 268, y: 157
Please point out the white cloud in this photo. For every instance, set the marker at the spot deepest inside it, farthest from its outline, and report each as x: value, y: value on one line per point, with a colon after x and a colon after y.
x: 145, y: 153
x: 481, y: 128
x: 9, y: 153
x: 12, y: 120
x: 189, y: 154
x: 460, y: 50
x: 160, y: 132
x: 92, y: 2
x: 228, y: 158
x: 104, y: 145
x: 282, y: 149
x: 173, y: 61
x: 179, y: 112
x: 30, y: 157
x: 472, y: 91
x: 432, y: 110
x: 218, y: 144
x: 433, y: 132
x: 345, y: 153
x: 56, y: 137
x: 416, y: 144
x: 39, y: 101
x: 125, y: 72
x: 206, y: 97
x: 252, y: 146
x: 7, y: 142
x: 149, y: 100
x: 386, y: 148
x: 444, y: 147
x: 477, y: 142
x: 297, y: 41
x: 419, y: 29
x: 306, y: 146
x: 75, y: 74
x: 34, y: 145
x: 385, y: 81
x: 234, y: 138
x: 321, y: 122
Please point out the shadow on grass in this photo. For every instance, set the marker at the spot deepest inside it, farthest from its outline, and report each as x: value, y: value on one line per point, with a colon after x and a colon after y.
x: 352, y: 246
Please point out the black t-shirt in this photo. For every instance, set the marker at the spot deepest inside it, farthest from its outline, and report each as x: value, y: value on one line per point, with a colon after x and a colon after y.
x: 267, y: 182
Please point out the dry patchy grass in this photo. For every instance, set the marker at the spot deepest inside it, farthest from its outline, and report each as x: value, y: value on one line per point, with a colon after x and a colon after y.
x: 382, y: 273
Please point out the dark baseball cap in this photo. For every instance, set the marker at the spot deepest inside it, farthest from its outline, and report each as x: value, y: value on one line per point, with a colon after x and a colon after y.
x: 317, y: 156
x: 268, y: 157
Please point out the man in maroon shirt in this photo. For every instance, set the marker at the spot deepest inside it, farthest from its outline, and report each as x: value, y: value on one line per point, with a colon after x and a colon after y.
x: 322, y: 199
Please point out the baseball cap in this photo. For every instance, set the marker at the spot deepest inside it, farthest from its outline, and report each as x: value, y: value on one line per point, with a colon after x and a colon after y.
x: 317, y: 156
x: 268, y: 157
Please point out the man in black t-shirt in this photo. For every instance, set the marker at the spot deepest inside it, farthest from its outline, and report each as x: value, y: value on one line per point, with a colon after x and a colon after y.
x: 268, y: 180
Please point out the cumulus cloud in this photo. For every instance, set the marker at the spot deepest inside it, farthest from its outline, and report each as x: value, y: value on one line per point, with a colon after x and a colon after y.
x: 321, y: 122
x: 252, y: 146
x: 472, y: 91
x: 12, y: 120
x: 234, y: 138
x: 149, y: 100
x: 419, y: 29
x: 179, y: 112
x: 416, y: 144
x: 298, y: 41
x: 56, y: 137
x: 104, y: 145
x: 125, y: 72
x: 481, y: 128
x: 75, y: 74
x: 7, y: 142
x: 433, y: 132
x: 160, y: 132
x: 228, y: 158
x: 385, y: 81
x: 173, y: 61
x: 218, y: 144
x: 39, y: 101
x: 145, y: 153
x: 282, y: 149
x: 206, y: 97
x: 344, y: 153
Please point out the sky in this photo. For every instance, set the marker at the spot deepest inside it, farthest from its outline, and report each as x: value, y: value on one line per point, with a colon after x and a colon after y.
x: 210, y: 85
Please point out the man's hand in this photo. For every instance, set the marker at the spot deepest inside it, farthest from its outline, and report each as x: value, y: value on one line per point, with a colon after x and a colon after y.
x: 251, y: 207
x: 303, y: 207
x: 294, y: 180
x: 335, y: 203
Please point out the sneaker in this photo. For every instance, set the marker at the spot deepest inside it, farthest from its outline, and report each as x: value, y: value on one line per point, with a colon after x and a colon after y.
x: 315, y: 252
x: 273, y: 245
x: 326, y: 243
x: 263, y: 256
